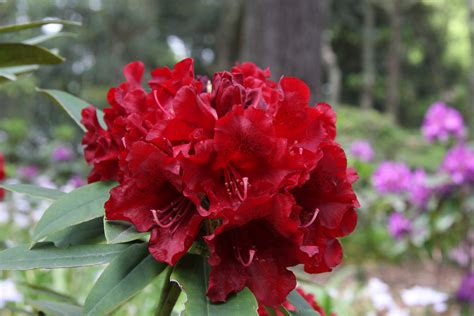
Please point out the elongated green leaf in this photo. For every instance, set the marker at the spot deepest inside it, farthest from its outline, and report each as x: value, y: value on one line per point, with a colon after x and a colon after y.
x: 44, y: 291
x: 78, y: 206
x: 120, y: 232
x: 82, y: 233
x: 72, y: 105
x: 56, y: 308
x: 11, y: 73
x: 127, y: 274
x: 33, y: 190
x: 192, y: 274
x: 47, y: 256
x: 304, y: 309
x: 30, y: 25
x: 17, y: 54
x: 46, y: 37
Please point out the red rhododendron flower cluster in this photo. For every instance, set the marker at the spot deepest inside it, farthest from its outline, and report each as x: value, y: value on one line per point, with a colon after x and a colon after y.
x: 310, y: 298
x: 2, y: 175
x: 240, y: 161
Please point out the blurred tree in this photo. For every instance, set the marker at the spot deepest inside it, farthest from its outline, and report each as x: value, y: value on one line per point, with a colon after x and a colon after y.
x: 286, y: 36
x: 368, y: 59
x: 393, y: 60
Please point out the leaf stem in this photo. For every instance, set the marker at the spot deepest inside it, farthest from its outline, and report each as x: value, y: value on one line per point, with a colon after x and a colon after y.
x: 169, y: 295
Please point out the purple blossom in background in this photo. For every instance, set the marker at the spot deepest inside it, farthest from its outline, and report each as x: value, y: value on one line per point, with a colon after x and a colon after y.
x: 466, y: 289
x: 399, y: 225
x: 27, y: 172
x: 391, y: 177
x: 420, y: 193
x: 442, y: 121
x: 362, y: 150
x: 62, y: 153
x: 459, y: 164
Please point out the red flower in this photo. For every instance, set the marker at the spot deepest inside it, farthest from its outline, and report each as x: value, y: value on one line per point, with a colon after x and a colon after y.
x: 328, y: 209
x: 253, y: 247
x: 249, y: 158
x: 151, y: 198
x: 2, y: 175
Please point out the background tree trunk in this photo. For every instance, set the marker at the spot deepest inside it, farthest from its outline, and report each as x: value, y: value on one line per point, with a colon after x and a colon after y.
x: 470, y: 110
x: 285, y: 35
x: 393, y: 62
x: 368, y: 61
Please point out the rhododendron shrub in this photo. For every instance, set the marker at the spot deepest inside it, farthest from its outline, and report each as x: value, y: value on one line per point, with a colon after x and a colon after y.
x: 238, y: 170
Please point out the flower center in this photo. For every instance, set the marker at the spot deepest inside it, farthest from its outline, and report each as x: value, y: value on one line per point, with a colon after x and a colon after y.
x: 168, y: 114
x: 235, y: 184
x: 173, y: 214
x: 241, y: 257
x: 313, y: 218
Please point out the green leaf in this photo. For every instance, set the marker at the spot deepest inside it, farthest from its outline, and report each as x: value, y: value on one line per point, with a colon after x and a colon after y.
x: 126, y: 275
x: 46, y: 256
x: 46, y: 37
x: 120, y: 232
x: 304, y: 309
x: 82, y: 233
x: 11, y: 73
x: 72, y: 105
x: 39, y: 290
x: 17, y: 54
x: 56, y: 308
x: 78, y: 206
x: 30, y: 25
x: 192, y: 275
x: 33, y: 190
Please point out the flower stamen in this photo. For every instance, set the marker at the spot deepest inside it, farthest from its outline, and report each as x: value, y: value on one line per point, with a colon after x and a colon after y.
x: 315, y: 214
x: 236, y: 185
x: 168, y: 115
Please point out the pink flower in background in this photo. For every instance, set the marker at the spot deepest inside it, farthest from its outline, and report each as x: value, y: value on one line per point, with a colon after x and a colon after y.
x: 398, y: 225
x: 442, y: 121
x: 76, y: 181
x: 420, y: 193
x: 27, y: 172
x: 62, y: 153
x: 362, y: 150
x: 466, y: 289
x: 459, y: 164
x: 391, y: 177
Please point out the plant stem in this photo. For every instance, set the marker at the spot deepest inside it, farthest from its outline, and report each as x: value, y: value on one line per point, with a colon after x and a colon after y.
x: 169, y: 295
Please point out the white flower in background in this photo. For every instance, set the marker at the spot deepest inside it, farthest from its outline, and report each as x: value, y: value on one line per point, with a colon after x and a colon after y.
x: 4, y: 217
x: 21, y: 220
x: 396, y: 311
x: 425, y: 296
x: 20, y: 202
x: 38, y: 211
x: 9, y: 293
x: 45, y: 182
x: 379, y: 294
x: 68, y: 187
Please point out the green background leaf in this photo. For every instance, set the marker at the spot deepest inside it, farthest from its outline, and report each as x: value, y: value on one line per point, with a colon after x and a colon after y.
x: 30, y: 25
x: 45, y: 255
x: 87, y: 232
x: 126, y: 275
x: 78, y: 206
x: 304, y: 309
x: 120, y: 232
x: 33, y: 190
x: 72, y: 105
x: 192, y: 275
x: 17, y: 54
x: 56, y: 308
